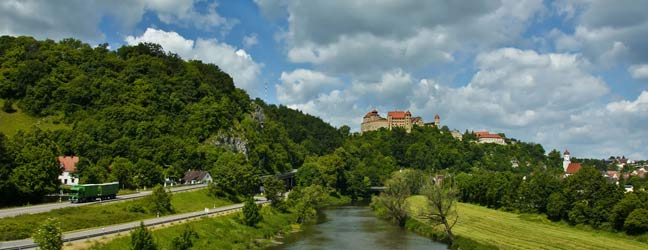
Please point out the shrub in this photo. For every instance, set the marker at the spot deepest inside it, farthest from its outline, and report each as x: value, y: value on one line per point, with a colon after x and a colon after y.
x: 251, y: 214
x: 48, y: 236
x: 141, y: 239
x: 637, y: 222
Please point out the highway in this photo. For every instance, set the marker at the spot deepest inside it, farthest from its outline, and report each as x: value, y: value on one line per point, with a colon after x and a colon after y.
x: 10, y: 212
x: 108, y: 230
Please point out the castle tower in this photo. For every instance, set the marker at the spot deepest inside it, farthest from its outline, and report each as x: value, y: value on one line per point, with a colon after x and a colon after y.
x: 566, y: 160
x: 437, y: 121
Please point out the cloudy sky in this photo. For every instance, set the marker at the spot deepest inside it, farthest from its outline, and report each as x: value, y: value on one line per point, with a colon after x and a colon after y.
x: 566, y: 74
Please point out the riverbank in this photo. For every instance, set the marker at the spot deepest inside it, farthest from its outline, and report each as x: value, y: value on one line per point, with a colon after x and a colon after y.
x: 482, y: 228
x: 223, y: 232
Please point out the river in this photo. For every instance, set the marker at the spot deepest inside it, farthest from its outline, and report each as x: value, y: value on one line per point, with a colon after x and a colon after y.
x: 355, y: 227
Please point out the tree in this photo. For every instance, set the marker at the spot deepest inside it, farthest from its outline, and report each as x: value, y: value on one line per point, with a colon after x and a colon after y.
x: 274, y: 190
x: 392, y: 202
x: 234, y: 176
x: 159, y: 202
x: 556, y: 206
x: 141, y: 239
x: 306, y: 201
x: 251, y: 214
x: 184, y: 241
x: 622, y: 209
x: 637, y: 222
x: 48, y: 236
x: 441, y: 206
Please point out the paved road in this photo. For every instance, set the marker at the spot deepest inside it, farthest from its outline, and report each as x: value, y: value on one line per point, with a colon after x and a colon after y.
x: 10, y: 212
x: 82, y: 235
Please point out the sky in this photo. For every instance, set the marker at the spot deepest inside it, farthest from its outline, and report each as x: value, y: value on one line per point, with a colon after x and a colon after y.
x: 566, y: 74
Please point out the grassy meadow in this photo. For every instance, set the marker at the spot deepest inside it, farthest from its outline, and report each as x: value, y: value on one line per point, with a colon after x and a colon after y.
x: 505, y: 230
x: 75, y: 218
x: 223, y: 232
x: 10, y: 123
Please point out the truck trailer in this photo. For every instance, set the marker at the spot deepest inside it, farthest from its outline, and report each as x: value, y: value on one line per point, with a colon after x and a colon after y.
x: 90, y: 192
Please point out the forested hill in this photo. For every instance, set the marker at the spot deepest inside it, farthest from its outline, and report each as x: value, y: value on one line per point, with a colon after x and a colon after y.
x: 135, y: 115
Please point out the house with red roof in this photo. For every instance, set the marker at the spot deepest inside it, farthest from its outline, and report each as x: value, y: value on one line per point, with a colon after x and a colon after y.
x: 68, y: 165
x: 487, y: 137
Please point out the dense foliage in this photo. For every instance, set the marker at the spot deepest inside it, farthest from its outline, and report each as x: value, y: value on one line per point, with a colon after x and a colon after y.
x: 137, y: 115
x: 49, y: 236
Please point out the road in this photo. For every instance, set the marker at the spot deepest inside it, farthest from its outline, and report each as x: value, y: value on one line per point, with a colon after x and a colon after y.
x: 10, y: 212
x: 96, y: 232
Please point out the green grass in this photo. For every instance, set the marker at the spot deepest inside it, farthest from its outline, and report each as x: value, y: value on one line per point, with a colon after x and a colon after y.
x: 75, y: 218
x: 515, y: 231
x: 10, y: 123
x: 225, y: 232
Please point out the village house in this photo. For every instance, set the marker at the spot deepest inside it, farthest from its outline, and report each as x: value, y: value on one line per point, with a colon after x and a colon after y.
x: 68, y: 165
x: 196, y: 177
x: 487, y: 137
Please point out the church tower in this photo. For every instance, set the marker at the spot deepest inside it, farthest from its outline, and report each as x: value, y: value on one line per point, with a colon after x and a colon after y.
x: 566, y: 160
x: 437, y: 121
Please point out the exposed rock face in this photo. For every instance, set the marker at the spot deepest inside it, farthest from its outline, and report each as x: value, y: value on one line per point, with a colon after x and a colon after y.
x: 233, y: 143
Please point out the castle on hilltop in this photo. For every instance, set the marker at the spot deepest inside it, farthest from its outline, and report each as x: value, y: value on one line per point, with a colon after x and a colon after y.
x: 402, y: 119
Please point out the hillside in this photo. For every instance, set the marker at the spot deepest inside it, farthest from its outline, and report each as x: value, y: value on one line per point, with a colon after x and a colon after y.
x: 10, y: 123
x: 135, y: 115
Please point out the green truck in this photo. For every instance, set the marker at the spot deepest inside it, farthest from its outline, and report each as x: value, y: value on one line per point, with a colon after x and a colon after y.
x: 90, y: 192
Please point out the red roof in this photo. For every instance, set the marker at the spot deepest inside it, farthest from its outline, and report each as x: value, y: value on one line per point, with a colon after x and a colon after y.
x: 437, y: 116
x: 573, y: 167
x: 397, y: 114
x: 566, y: 152
x: 68, y: 162
x: 486, y: 134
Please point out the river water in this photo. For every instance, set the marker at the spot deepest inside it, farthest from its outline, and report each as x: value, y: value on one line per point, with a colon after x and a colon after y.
x: 356, y: 228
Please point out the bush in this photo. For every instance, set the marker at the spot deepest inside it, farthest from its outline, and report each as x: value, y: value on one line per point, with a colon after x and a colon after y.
x: 251, y: 215
x: 48, y: 236
x: 637, y: 222
x: 8, y: 107
x: 141, y: 239
x: 135, y: 208
x: 159, y: 201
x: 184, y: 241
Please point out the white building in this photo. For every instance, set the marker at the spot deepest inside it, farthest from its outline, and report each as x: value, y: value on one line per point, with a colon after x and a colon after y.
x: 68, y: 165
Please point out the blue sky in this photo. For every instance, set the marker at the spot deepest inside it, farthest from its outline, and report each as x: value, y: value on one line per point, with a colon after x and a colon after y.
x: 566, y: 74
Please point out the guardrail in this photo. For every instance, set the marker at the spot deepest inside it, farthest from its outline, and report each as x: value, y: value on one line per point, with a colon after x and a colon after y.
x: 28, y: 243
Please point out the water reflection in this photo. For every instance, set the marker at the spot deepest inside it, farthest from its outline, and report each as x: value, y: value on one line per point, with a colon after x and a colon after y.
x: 355, y: 227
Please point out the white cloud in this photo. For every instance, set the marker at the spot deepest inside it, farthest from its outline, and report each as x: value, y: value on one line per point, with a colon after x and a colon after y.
x: 639, y: 71
x: 364, y: 39
x: 236, y: 62
x: 250, y: 40
x: 302, y: 85
x: 81, y: 18
x: 602, y: 28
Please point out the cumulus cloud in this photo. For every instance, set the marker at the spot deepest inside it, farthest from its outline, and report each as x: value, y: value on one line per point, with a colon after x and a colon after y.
x: 639, y: 71
x: 362, y: 38
x: 236, y: 62
x: 603, y: 28
x: 81, y: 18
x: 301, y: 85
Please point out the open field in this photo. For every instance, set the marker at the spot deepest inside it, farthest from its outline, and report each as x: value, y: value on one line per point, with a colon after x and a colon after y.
x: 11, y: 123
x: 225, y: 232
x: 527, y: 231
x: 75, y: 218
